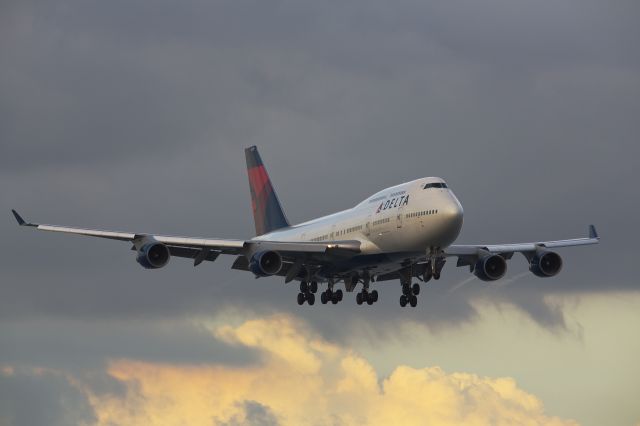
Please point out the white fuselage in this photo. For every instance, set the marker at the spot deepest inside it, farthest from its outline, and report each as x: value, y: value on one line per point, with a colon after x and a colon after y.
x: 406, y: 218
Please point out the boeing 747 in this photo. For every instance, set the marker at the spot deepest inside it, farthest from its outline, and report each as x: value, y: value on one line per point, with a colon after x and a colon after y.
x: 400, y: 233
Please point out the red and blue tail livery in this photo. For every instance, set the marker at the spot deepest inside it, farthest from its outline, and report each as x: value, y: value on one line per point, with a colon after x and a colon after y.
x: 267, y: 211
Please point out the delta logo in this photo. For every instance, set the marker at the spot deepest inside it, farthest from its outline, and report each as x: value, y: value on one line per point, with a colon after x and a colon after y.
x: 393, y: 202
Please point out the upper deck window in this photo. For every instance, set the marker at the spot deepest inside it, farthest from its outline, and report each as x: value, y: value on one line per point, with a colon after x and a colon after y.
x: 435, y: 185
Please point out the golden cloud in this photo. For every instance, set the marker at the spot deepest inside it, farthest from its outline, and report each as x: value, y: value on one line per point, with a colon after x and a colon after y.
x: 303, y: 379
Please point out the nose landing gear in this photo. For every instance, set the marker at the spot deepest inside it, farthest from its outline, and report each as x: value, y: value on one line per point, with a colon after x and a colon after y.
x: 434, y: 266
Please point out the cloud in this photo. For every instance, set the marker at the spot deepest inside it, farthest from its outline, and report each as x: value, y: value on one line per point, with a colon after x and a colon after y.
x: 119, y: 115
x: 254, y: 414
x: 41, y: 397
x: 303, y: 379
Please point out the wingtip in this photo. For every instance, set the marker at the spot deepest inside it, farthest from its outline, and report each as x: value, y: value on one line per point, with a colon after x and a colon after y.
x: 19, y: 218
x: 593, y: 233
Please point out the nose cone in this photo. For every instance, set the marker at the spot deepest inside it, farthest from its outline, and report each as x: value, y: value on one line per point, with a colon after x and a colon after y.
x: 452, y: 218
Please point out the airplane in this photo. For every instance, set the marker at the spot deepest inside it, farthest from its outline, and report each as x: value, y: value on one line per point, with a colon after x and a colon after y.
x: 400, y: 233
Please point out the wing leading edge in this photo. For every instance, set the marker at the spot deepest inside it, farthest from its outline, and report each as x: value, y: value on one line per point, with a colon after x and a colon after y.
x: 190, y: 247
x: 466, y: 250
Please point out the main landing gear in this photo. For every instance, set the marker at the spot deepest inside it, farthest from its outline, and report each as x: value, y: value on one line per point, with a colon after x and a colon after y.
x: 307, y: 291
x: 410, y: 295
x: 365, y: 296
x: 329, y: 295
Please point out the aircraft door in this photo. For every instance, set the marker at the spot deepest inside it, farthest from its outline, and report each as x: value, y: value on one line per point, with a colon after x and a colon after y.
x: 367, y: 226
x: 399, y: 217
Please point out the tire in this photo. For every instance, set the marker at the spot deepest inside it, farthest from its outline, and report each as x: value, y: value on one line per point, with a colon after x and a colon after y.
x: 300, y: 298
x: 334, y: 298
x: 313, y: 287
x: 374, y: 295
x: 303, y: 286
x: 406, y: 289
x: 323, y: 298
x: 413, y: 301
x: 436, y: 276
x: 339, y: 295
x: 416, y: 289
x: 359, y: 298
x: 403, y: 300
x: 311, y: 298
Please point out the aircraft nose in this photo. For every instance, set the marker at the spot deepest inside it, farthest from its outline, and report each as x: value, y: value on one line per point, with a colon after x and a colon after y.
x: 453, y: 215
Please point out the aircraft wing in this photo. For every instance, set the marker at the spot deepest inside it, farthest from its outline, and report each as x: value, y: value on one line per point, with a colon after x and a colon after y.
x: 507, y: 250
x: 209, y: 248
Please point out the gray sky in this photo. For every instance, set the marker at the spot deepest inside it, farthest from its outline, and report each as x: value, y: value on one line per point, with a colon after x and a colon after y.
x: 133, y: 115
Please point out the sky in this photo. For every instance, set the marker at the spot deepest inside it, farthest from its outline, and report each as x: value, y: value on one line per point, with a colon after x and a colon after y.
x: 133, y: 115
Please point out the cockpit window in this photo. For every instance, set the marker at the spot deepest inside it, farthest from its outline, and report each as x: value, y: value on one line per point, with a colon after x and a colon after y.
x: 435, y: 185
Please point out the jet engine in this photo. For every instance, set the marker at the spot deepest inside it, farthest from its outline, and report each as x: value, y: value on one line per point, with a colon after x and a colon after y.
x: 265, y: 263
x: 153, y: 255
x: 490, y: 268
x: 545, y: 264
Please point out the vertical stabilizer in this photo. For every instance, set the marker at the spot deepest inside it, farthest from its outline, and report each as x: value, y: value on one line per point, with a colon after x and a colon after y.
x: 267, y: 211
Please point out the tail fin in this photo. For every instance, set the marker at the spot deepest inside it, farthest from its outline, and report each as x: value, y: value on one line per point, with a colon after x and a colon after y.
x: 267, y: 211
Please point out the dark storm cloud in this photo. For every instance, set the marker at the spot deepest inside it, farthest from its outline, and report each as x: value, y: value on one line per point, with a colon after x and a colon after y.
x: 87, y: 346
x: 133, y: 115
x: 42, y: 398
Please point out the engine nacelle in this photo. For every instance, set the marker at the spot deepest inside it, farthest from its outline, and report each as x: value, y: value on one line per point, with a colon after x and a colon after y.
x: 153, y: 255
x: 545, y: 264
x: 265, y: 263
x: 490, y: 268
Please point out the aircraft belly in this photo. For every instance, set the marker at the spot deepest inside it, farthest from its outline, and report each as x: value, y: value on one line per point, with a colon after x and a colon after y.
x: 376, y: 263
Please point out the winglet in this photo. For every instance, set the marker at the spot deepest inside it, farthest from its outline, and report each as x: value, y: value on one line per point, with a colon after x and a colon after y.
x: 20, y: 220
x: 593, y: 233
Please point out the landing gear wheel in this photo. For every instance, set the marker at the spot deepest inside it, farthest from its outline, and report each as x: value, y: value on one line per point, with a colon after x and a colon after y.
x: 313, y: 286
x: 359, y: 298
x: 436, y: 275
x: 323, y: 298
x: 311, y: 298
x: 303, y: 286
x: 406, y: 289
x: 403, y: 300
x: 300, y: 298
x: 338, y: 294
x: 416, y: 289
x: 334, y: 298
x: 369, y: 298
x: 413, y: 301
x: 374, y: 295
